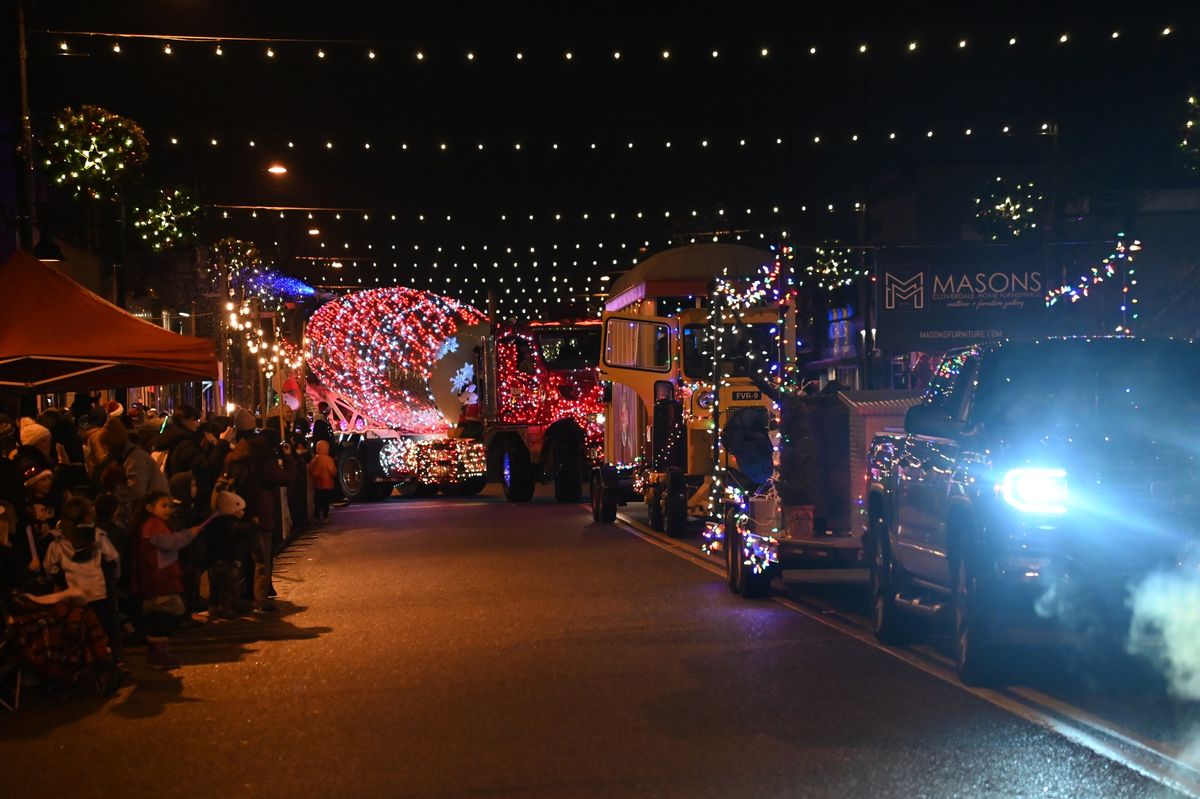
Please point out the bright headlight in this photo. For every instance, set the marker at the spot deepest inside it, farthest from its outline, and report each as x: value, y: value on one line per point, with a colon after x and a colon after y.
x: 1040, y: 491
x: 706, y: 399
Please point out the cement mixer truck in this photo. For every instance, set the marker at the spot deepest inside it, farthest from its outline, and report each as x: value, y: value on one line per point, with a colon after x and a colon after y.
x: 426, y: 395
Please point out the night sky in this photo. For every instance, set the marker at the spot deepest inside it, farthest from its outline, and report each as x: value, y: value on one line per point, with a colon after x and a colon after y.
x: 1117, y: 104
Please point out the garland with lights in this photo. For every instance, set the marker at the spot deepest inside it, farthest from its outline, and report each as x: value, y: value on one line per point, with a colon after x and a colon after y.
x: 1122, y: 255
x: 379, y: 347
x: 1008, y: 210
x: 730, y: 301
x: 92, y: 150
x: 169, y: 220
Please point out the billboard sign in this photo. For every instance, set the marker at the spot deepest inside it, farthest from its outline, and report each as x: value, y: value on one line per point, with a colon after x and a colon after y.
x: 934, y: 298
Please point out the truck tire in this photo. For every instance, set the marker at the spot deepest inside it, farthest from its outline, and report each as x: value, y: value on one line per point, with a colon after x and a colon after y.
x: 353, y: 475
x: 891, y: 625
x: 517, y: 472
x: 654, y: 509
x: 741, y: 576
x: 674, y: 504
x: 976, y: 656
x: 604, y: 500
x: 568, y: 475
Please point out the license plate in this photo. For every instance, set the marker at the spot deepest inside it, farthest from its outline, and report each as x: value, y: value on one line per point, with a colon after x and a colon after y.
x: 747, y: 396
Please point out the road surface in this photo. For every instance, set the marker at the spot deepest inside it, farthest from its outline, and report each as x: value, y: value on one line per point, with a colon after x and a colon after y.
x: 480, y: 648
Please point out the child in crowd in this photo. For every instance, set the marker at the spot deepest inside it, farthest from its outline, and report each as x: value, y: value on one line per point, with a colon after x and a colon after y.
x: 322, y: 470
x: 79, y: 557
x: 157, y: 576
x: 40, y: 516
x: 106, y: 510
x: 229, y: 536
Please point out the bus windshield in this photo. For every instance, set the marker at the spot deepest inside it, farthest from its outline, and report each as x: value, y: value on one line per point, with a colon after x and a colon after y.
x: 749, y: 348
x: 570, y: 347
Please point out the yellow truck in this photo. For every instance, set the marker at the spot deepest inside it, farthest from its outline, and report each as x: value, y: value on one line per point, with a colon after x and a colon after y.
x: 664, y: 408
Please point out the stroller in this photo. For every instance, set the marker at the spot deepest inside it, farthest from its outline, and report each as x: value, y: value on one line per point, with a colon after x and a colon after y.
x: 59, y: 640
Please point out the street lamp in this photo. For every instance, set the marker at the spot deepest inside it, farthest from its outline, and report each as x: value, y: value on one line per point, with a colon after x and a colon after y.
x: 47, y: 249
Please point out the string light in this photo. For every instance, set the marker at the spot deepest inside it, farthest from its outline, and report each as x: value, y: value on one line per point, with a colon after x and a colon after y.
x: 274, y: 45
x: 731, y: 141
x: 1189, y: 145
x: 1123, y: 255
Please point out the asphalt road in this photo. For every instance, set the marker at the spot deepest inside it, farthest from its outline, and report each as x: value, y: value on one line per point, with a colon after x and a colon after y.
x: 472, y: 647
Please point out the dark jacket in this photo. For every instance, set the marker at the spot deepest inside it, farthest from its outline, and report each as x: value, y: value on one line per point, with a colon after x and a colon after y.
x: 188, y: 452
x: 256, y: 476
x: 229, y: 539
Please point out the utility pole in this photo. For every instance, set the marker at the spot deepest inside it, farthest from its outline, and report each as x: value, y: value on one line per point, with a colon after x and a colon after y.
x: 25, y: 210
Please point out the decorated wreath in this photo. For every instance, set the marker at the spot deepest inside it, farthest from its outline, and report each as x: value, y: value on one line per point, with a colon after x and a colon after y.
x: 92, y: 150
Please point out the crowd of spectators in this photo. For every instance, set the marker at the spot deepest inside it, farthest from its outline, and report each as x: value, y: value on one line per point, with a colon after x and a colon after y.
x: 161, y: 521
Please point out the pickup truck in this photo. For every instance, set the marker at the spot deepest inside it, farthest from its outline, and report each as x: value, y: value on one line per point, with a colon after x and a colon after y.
x: 1034, y: 484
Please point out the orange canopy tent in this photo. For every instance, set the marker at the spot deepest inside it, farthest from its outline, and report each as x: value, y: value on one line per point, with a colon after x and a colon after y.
x: 55, y: 335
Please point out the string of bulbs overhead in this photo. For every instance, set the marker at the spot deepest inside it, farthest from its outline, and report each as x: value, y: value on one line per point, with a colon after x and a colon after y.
x: 433, y: 144
x: 380, y: 51
x: 394, y: 215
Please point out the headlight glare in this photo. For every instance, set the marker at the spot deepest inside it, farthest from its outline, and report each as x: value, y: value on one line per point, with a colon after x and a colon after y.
x: 1036, y: 491
x: 706, y: 399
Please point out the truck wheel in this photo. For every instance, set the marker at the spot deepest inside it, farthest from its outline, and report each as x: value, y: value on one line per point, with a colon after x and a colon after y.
x: 890, y: 624
x: 674, y: 505
x: 426, y: 490
x: 604, y: 501
x: 742, y: 579
x: 654, y: 509
x: 568, y: 475
x: 976, y: 656
x: 518, y: 473
x: 352, y: 475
